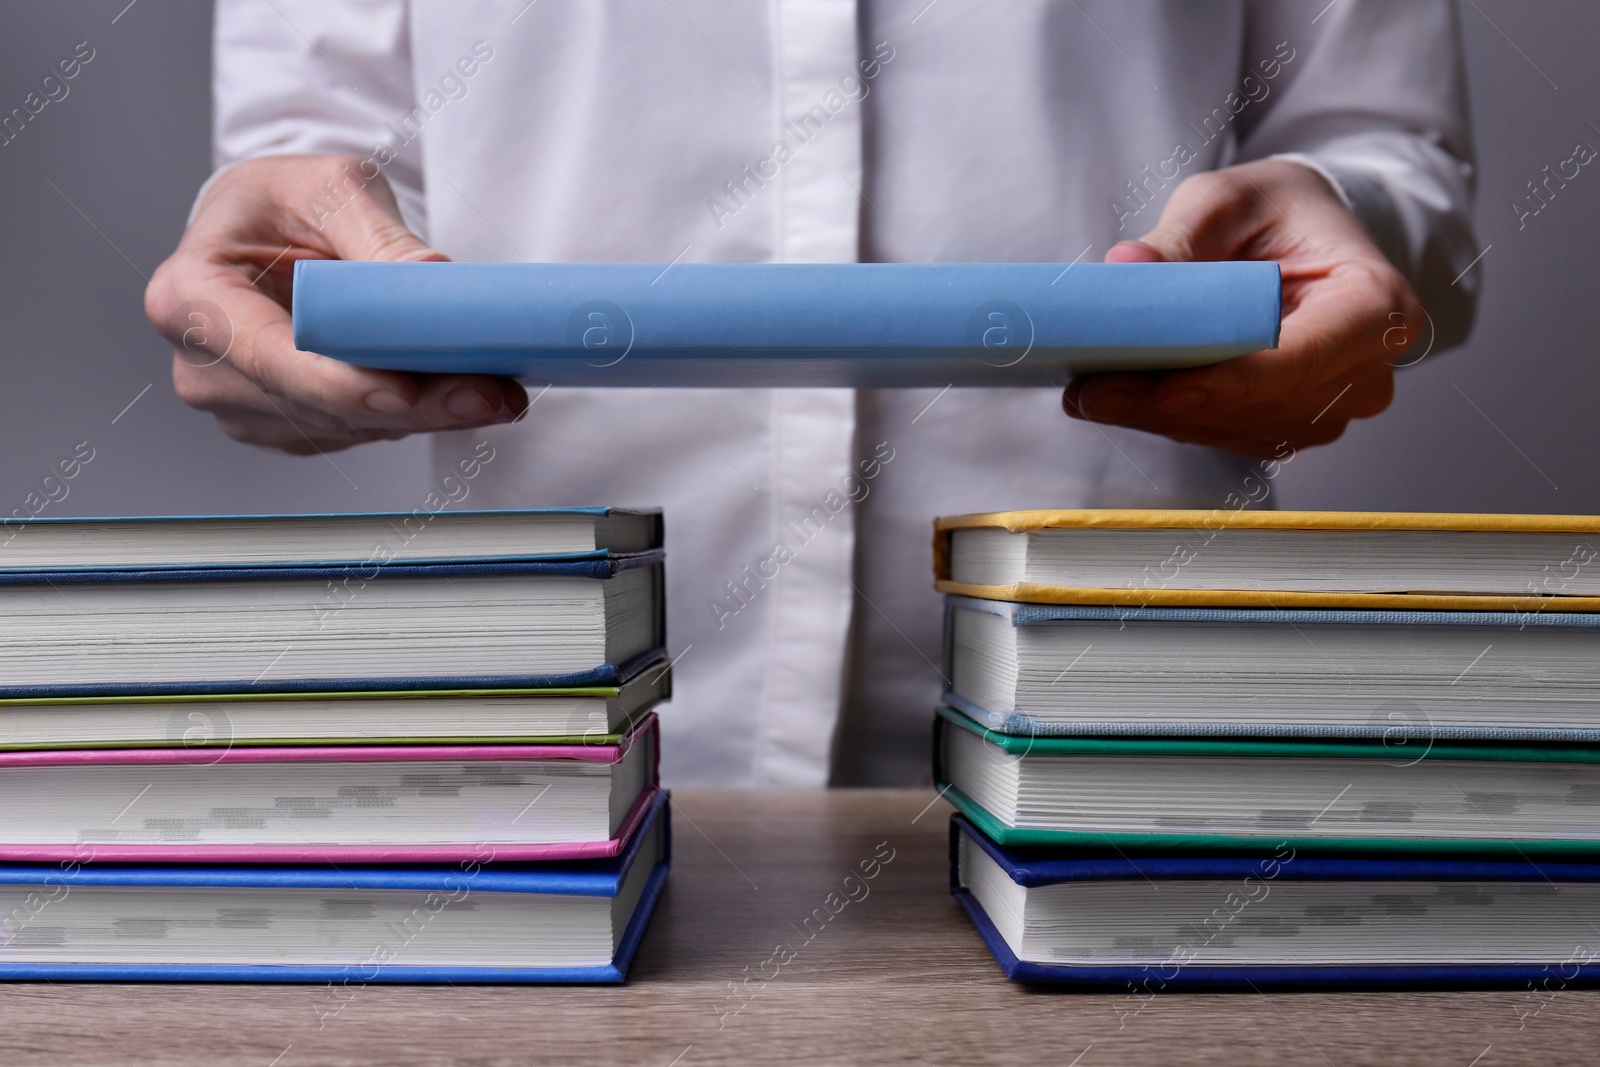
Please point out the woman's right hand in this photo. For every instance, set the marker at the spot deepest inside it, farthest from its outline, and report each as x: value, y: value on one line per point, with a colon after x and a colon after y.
x: 222, y: 299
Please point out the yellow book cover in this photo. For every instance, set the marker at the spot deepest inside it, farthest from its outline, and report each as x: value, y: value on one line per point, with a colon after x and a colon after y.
x: 1563, y: 538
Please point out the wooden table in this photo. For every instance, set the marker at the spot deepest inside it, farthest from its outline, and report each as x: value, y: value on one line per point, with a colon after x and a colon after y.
x: 896, y: 976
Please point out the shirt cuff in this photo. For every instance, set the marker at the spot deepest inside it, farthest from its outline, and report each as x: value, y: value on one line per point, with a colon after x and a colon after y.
x: 1327, y: 175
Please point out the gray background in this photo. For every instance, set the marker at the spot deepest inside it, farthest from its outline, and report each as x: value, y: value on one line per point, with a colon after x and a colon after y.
x: 96, y: 189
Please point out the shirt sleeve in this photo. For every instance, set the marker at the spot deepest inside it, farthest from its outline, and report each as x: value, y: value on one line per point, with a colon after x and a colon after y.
x: 319, y: 76
x: 1372, y: 94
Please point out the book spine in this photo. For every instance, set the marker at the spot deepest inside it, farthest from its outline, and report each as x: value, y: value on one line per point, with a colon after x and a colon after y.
x: 604, y: 312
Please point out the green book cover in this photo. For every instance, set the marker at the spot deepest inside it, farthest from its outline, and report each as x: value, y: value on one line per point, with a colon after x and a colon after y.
x: 1200, y: 841
x: 1022, y: 745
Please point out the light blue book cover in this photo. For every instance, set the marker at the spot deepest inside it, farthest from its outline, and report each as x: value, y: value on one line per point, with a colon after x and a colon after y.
x: 865, y: 325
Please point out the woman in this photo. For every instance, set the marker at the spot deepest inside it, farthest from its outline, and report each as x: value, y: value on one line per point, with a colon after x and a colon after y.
x: 1332, y: 139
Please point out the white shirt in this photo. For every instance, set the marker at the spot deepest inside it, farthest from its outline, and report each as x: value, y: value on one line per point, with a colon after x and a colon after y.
x: 827, y: 131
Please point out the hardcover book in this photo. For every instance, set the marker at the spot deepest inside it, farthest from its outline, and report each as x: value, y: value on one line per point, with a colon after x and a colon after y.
x: 1399, y: 676
x: 863, y: 325
x: 505, y: 625
x: 477, y: 920
x: 1273, y: 559
x: 1236, y: 795
x: 432, y: 533
x: 1146, y: 923
x: 594, y: 716
x: 327, y: 804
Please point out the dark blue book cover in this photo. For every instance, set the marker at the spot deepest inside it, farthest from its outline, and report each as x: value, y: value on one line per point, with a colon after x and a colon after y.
x: 1180, y: 970
x: 350, y: 579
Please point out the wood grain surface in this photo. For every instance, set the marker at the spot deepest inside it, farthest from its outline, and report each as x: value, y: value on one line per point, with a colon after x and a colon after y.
x: 896, y: 975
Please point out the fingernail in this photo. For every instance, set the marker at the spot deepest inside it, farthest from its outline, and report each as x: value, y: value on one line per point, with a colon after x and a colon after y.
x: 467, y: 403
x: 381, y: 400
x: 1179, y: 403
x: 1108, y: 406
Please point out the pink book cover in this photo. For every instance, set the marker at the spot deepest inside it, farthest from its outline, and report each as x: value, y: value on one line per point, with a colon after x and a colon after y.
x: 322, y: 852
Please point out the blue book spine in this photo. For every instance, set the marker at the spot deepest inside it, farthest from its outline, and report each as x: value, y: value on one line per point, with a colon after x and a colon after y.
x: 852, y: 324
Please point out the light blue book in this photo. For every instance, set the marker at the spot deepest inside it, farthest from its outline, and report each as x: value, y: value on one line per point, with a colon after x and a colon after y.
x: 865, y: 325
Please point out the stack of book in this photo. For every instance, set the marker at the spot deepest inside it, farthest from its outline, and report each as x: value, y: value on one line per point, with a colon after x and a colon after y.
x: 1233, y: 749
x: 341, y: 748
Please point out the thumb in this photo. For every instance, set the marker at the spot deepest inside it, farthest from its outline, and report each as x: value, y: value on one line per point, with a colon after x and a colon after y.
x: 366, y: 223
x: 1202, y: 220
x: 392, y: 242
x: 1136, y: 252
